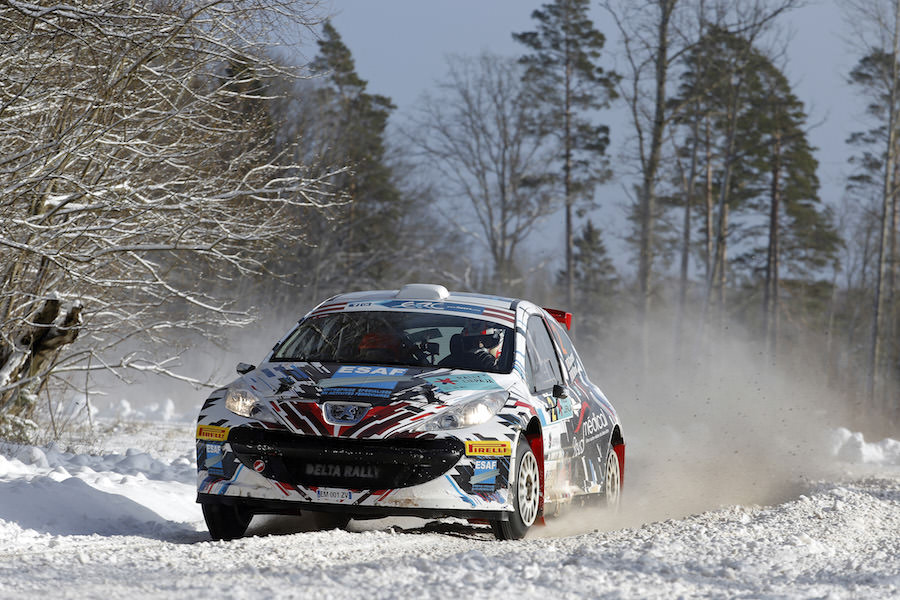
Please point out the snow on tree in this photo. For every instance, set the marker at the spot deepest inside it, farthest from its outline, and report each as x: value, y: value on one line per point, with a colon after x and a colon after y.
x: 133, y: 167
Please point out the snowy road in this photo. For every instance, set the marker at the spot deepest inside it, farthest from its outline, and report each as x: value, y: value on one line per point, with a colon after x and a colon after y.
x: 123, y: 524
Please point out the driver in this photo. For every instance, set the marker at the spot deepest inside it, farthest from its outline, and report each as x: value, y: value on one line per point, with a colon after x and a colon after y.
x: 380, y: 347
x: 481, y: 348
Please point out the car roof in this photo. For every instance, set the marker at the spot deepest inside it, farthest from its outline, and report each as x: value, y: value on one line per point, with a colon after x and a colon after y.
x: 425, y: 297
x: 427, y: 292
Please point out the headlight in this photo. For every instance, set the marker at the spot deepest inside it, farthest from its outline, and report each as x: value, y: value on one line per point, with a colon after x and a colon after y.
x: 476, y: 411
x: 244, y: 402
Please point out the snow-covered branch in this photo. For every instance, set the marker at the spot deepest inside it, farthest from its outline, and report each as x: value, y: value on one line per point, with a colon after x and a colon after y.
x: 137, y: 159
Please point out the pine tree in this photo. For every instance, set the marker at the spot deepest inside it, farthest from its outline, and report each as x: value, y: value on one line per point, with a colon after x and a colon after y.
x: 596, y: 282
x: 353, y: 124
x: 800, y: 232
x: 744, y: 130
x: 717, y: 133
x: 567, y: 86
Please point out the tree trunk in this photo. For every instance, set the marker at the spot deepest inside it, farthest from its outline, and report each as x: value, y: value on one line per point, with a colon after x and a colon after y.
x: 708, y: 196
x: 567, y: 181
x: 717, y: 275
x: 35, y: 347
x: 770, y: 293
x: 722, y: 262
x: 893, y: 314
x: 875, y: 348
x: 689, y: 191
x: 650, y: 167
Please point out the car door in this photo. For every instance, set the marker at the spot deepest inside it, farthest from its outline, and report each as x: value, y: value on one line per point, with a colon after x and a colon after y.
x: 544, y: 375
x: 591, y: 429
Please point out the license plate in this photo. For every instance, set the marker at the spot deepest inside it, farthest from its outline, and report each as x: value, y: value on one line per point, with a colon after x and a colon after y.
x: 334, y: 494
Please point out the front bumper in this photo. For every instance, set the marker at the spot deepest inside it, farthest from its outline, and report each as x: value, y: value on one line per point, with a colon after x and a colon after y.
x: 344, y: 463
x: 280, y: 472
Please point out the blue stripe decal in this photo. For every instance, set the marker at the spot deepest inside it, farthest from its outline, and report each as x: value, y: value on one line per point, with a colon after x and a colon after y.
x: 461, y: 494
x: 298, y: 374
x: 233, y: 479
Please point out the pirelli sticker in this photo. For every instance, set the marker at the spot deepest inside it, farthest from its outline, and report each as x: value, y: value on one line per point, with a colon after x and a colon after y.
x: 211, y: 432
x: 488, y: 448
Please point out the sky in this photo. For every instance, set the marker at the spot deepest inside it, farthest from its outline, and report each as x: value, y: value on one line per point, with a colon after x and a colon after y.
x: 400, y: 48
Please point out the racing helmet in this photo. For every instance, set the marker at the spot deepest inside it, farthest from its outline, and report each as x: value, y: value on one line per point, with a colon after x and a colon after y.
x: 490, y: 339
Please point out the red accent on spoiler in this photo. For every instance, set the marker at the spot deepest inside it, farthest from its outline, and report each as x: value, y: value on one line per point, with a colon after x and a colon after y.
x: 562, y: 316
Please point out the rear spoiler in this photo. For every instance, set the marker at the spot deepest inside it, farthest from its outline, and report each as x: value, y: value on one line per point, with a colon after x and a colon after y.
x: 562, y: 316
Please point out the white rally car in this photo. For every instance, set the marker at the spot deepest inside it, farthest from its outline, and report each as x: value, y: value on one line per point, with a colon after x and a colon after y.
x: 412, y: 402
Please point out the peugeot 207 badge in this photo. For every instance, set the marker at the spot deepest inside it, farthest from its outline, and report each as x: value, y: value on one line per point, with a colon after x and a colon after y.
x: 345, y: 413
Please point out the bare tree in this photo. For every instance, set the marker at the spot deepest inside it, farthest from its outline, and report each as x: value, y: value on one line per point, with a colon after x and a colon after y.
x: 135, y: 161
x: 656, y: 34
x: 877, y: 35
x: 476, y: 134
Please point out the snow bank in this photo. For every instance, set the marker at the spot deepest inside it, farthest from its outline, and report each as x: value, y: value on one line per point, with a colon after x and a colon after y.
x: 133, y: 492
x: 121, y: 522
x: 852, y: 447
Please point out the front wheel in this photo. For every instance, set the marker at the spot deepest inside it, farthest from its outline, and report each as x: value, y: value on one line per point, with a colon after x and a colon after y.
x: 526, y: 496
x: 225, y: 521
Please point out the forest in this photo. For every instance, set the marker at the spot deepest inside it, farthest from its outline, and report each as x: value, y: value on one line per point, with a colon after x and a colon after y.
x: 169, y: 174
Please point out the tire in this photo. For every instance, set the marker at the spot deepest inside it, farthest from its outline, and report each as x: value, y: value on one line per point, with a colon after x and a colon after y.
x: 526, y: 494
x: 225, y: 521
x: 611, y: 496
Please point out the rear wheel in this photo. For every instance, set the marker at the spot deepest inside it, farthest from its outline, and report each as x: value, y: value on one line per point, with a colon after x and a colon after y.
x: 526, y: 496
x: 225, y: 521
x: 612, y: 486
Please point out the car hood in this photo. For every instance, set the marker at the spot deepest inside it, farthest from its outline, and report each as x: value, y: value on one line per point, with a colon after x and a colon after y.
x: 355, y: 400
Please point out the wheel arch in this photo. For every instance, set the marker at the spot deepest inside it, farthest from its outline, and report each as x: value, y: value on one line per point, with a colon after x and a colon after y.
x: 534, y: 435
x: 617, y: 442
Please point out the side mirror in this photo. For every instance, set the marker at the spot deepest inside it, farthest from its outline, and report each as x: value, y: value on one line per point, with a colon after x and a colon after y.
x: 559, y: 391
x: 244, y: 368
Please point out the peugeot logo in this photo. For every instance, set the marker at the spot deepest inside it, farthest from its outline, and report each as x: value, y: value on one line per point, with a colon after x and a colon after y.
x: 345, y: 413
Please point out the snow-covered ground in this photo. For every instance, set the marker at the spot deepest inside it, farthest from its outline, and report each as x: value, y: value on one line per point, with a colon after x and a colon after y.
x: 118, y: 520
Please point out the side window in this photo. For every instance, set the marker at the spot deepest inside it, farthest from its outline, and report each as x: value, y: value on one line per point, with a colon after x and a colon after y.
x: 542, y: 356
x: 569, y: 357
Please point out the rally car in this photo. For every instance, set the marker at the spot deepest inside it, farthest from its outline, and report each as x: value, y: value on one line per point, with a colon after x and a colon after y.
x: 415, y: 401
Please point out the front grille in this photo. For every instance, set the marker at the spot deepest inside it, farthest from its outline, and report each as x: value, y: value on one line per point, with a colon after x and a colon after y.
x: 344, y: 463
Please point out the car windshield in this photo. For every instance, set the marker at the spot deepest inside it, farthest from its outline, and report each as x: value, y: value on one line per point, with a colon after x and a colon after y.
x: 401, y: 338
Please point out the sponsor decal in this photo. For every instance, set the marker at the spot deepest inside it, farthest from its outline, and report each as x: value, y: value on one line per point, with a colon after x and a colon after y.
x: 362, y: 392
x: 484, y: 478
x: 347, y: 371
x: 362, y: 380
x: 358, y: 304
x: 559, y: 409
x: 213, y: 459
x: 493, y: 313
x: 447, y: 306
x: 211, y: 432
x: 331, y: 470
x: 467, y: 381
x: 259, y: 466
x: 488, y: 448
x: 594, y: 426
